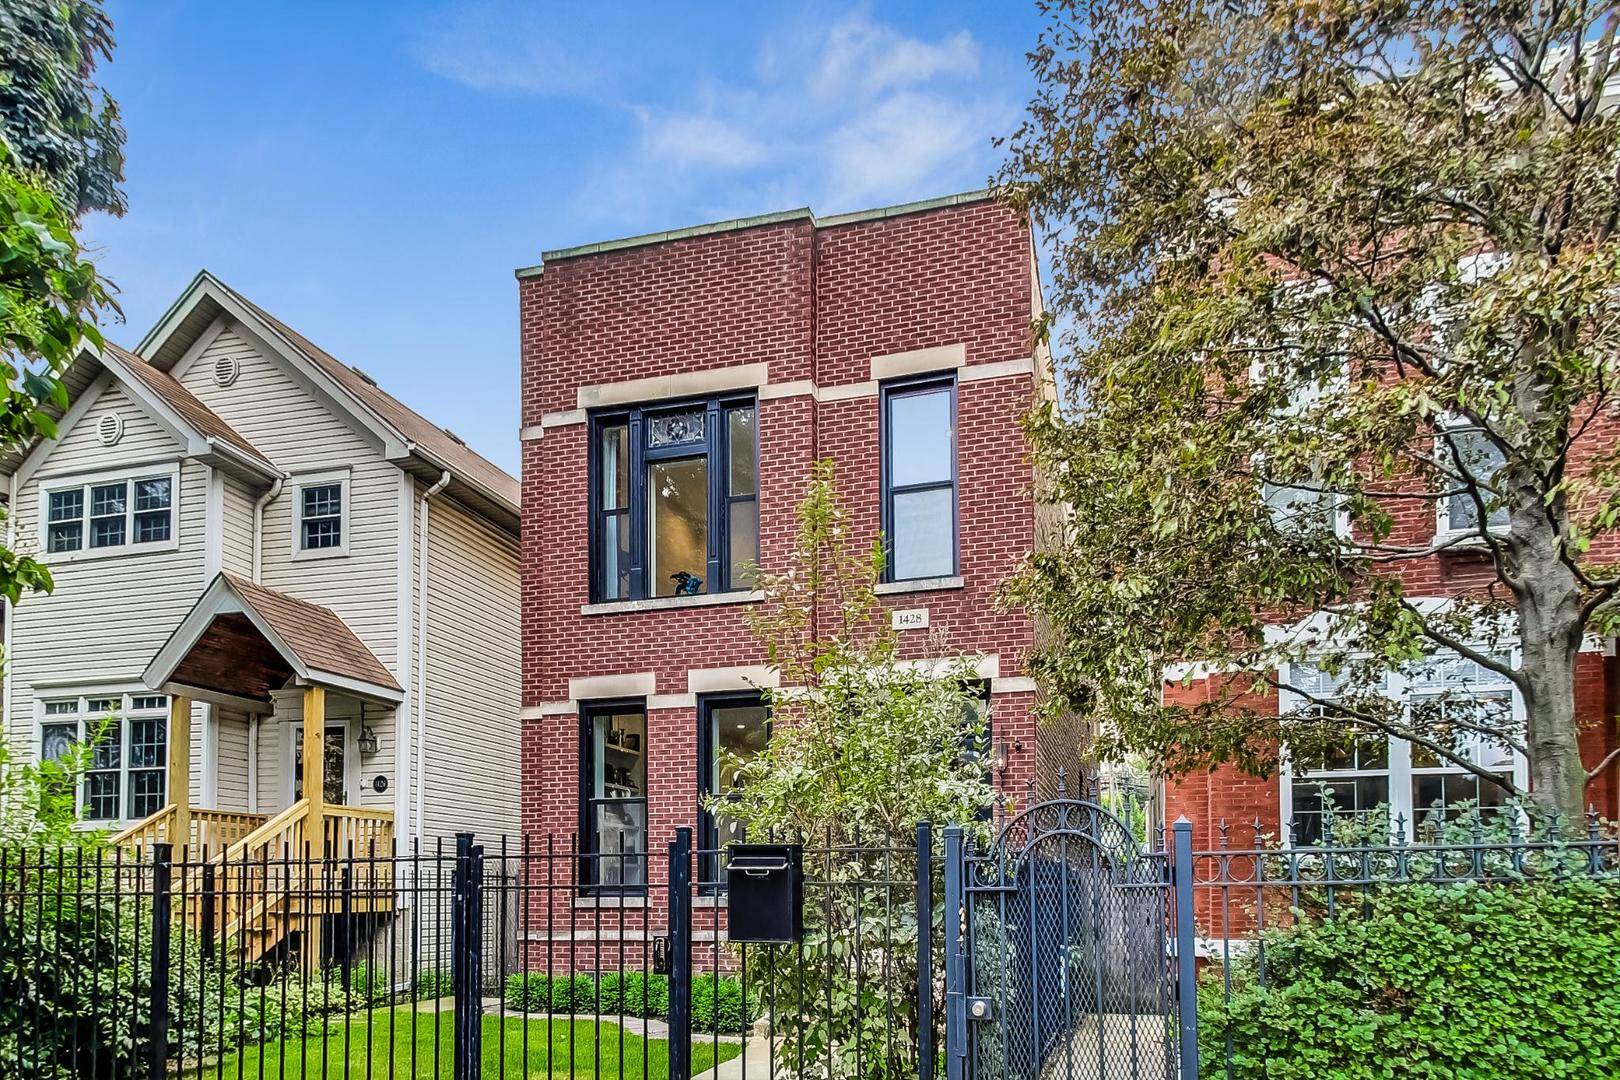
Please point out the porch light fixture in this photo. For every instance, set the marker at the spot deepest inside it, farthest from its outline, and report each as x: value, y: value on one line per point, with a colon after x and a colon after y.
x: 367, y: 742
x: 998, y: 756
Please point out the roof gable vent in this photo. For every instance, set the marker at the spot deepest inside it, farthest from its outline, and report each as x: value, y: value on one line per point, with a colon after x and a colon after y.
x: 110, y: 428
x: 226, y: 369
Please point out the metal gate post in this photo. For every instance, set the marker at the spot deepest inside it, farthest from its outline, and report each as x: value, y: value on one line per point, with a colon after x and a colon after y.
x: 158, y: 1028
x: 680, y: 955
x: 465, y: 967
x: 1186, y: 950
x: 955, y: 969
x: 925, y: 951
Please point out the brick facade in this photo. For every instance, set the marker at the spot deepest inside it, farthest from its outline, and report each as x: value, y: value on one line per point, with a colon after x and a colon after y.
x: 1227, y: 796
x: 810, y: 303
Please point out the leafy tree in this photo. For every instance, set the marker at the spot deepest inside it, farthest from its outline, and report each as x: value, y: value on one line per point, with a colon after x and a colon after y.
x: 863, y: 747
x: 57, y: 120
x: 1335, y: 271
x: 50, y: 296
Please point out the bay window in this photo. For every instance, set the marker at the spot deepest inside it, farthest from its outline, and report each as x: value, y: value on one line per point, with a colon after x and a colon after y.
x: 126, y: 776
x: 674, y: 500
x: 1446, y: 696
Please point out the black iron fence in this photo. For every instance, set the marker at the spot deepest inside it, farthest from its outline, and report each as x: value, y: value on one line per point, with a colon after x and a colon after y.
x: 1058, y: 946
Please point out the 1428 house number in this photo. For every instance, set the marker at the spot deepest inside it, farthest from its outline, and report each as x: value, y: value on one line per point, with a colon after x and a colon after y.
x: 909, y: 619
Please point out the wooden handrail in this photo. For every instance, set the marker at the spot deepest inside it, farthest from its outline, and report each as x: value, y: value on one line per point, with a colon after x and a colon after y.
x: 152, y: 829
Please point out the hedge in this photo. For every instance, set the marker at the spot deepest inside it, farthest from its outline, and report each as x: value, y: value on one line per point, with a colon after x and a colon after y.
x: 717, y: 1006
x: 1459, y: 981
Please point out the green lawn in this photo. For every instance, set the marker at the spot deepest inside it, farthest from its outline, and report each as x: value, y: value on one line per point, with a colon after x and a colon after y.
x: 556, y: 1056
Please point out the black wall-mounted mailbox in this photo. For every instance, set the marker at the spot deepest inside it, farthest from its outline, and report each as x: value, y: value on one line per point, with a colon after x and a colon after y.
x: 765, y: 885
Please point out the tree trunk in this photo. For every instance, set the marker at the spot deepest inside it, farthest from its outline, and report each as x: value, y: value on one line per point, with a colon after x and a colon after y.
x: 1550, y: 622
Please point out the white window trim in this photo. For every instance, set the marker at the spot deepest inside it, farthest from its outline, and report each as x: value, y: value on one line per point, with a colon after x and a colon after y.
x: 169, y: 470
x: 345, y: 519
x: 1470, y: 537
x: 1398, y: 685
x: 82, y: 716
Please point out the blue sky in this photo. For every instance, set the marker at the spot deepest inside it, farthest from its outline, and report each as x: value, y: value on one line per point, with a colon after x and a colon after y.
x: 373, y: 172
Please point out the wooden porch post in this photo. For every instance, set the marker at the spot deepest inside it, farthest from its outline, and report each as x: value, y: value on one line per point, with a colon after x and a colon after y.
x: 315, y: 821
x: 180, y: 770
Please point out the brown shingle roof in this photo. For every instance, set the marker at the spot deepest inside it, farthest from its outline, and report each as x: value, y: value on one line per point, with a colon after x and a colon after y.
x: 183, y: 401
x: 322, y: 641
x: 415, y: 427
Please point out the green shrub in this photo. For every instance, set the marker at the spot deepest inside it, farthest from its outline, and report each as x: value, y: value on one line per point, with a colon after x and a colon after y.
x: 1519, y: 980
x: 718, y: 1006
x: 633, y: 993
x: 431, y: 984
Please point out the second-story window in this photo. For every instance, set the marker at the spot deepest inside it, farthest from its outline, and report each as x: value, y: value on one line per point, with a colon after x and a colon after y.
x: 319, y: 528
x: 919, y: 479
x: 674, y: 500
x: 111, y: 514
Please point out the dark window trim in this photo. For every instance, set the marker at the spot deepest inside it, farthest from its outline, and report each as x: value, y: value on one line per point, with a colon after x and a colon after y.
x: 887, y: 392
x: 714, y: 446
x: 708, y: 834
x: 589, y: 857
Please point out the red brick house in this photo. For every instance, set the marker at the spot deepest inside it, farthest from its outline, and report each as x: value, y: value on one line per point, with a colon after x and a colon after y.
x: 677, y: 389
x: 1391, y: 772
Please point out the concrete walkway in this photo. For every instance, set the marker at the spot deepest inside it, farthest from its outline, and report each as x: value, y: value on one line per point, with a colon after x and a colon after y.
x: 754, y: 1061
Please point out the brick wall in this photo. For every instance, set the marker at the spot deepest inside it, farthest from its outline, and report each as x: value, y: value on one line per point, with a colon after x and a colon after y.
x: 815, y: 304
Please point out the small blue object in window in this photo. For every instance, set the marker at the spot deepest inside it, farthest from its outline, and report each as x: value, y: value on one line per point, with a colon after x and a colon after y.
x: 686, y: 584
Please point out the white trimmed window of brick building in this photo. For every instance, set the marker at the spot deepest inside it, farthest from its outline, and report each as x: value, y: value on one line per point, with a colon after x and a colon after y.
x: 1371, y: 771
x: 127, y: 775
x: 1462, y: 450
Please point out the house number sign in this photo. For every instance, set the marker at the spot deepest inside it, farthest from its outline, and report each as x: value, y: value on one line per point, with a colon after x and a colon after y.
x: 909, y: 618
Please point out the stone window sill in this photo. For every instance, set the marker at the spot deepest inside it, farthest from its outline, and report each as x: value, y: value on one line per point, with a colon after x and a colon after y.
x: 931, y: 584
x: 672, y: 603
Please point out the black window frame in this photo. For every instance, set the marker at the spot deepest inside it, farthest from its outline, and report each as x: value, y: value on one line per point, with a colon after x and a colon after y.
x: 710, y: 879
x: 589, y: 858
x: 898, y: 388
x: 714, y: 447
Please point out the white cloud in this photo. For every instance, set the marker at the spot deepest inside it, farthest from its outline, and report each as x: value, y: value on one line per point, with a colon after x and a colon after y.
x: 861, y: 112
x: 699, y: 140
x: 869, y: 58
x: 838, y: 115
x: 899, y: 143
x: 503, y: 46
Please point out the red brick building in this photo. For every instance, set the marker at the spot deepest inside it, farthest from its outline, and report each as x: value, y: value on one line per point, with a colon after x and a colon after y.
x: 677, y: 389
x: 1392, y: 772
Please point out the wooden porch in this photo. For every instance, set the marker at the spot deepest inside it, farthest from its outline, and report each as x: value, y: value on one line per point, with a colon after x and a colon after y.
x: 268, y: 881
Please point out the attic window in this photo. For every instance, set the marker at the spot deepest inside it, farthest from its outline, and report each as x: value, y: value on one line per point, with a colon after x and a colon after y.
x: 226, y: 369
x: 109, y: 429
x: 320, y: 528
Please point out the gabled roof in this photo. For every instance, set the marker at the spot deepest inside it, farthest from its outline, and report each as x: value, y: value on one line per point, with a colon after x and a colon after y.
x: 417, y: 444
x: 206, y: 423
x: 203, y: 433
x: 242, y: 640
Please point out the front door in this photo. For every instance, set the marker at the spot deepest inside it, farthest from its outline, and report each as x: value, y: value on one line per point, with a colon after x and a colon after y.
x: 336, y: 772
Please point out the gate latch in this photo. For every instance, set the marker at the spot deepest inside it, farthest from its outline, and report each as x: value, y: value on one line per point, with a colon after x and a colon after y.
x: 660, y: 955
x: 980, y: 1008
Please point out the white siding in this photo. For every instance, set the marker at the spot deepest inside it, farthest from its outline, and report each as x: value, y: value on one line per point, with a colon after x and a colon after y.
x: 107, y: 616
x: 288, y: 422
x: 473, y: 686
x: 236, y: 540
x: 233, y: 760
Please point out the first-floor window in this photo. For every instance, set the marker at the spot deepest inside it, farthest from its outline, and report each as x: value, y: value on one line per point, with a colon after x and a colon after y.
x: 1370, y: 771
x: 613, y: 761
x: 126, y: 775
x: 731, y: 729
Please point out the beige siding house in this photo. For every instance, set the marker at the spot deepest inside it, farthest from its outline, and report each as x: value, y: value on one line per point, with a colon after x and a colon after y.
x: 242, y: 530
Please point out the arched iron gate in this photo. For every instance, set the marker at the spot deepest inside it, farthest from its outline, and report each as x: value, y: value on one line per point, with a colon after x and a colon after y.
x: 1063, y: 958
